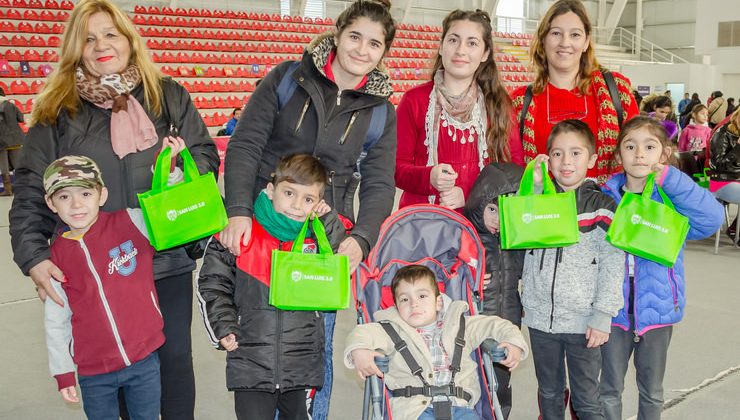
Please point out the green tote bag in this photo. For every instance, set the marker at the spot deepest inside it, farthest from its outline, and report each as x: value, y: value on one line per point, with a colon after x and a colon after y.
x: 649, y: 229
x: 184, y: 212
x: 530, y: 220
x: 312, y: 282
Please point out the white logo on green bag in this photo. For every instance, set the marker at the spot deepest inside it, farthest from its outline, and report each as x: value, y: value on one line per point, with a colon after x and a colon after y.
x: 297, y: 276
x: 528, y: 218
x: 637, y: 220
x: 175, y: 213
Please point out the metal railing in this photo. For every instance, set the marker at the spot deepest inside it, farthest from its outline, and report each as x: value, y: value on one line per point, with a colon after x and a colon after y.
x: 640, y: 48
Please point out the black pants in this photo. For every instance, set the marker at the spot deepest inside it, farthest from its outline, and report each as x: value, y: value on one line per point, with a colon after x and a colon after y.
x: 176, y: 355
x: 175, y: 296
x: 259, y: 405
x: 551, y: 353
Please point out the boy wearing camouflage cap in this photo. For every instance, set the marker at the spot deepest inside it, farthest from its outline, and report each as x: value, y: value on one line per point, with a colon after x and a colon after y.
x: 109, y: 287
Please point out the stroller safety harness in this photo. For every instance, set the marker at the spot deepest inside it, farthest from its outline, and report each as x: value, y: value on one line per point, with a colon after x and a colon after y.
x: 442, y: 408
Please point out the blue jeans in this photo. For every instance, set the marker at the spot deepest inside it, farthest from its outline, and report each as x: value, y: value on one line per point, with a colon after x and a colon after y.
x: 141, y: 388
x: 729, y: 193
x: 321, y: 400
x: 550, y: 352
x: 458, y: 413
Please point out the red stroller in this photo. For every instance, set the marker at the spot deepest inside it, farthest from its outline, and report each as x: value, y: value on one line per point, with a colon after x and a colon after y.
x: 447, y: 243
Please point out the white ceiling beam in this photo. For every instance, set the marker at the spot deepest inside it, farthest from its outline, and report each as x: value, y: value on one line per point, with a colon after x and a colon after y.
x: 614, y: 15
x: 406, y: 10
x: 302, y: 7
x: 492, y: 6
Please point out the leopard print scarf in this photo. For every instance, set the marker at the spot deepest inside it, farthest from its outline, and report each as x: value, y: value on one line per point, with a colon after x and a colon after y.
x: 131, y: 128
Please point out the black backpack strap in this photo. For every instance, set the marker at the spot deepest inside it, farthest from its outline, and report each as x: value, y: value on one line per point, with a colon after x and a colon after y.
x: 171, y: 106
x: 614, y: 93
x: 525, y: 108
x: 287, y: 86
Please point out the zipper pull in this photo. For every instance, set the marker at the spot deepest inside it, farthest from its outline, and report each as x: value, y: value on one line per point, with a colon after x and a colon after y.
x: 636, y: 337
x: 339, y: 97
x: 349, y: 126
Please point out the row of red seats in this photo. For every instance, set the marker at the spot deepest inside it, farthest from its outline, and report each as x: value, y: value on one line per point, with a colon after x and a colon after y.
x: 216, y: 102
x: 505, y: 57
x: 520, y: 43
x: 410, y: 75
x: 38, y: 28
x: 221, y: 35
x: 517, y: 78
x: 31, y: 14
x: 20, y: 87
x: 210, y: 58
x: 226, y: 24
x: 411, y: 53
x: 423, y: 45
x: 36, y: 4
x: 6, y: 70
x: 30, y: 55
x: 34, y: 41
x: 214, y: 71
x: 216, y: 86
x: 284, y: 48
x: 408, y: 64
x: 229, y: 14
x: 24, y: 108
x: 515, y: 68
x: 215, y: 120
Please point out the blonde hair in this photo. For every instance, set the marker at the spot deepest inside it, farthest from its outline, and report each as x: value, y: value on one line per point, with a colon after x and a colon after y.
x: 538, y: 58
x: 496, y: 99
x: 60, y: 91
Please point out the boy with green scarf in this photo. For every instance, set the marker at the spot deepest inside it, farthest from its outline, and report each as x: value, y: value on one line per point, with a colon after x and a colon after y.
x: 275, y: 357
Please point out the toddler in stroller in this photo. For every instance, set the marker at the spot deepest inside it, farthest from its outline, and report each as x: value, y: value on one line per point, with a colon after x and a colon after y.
x: 431, y: 344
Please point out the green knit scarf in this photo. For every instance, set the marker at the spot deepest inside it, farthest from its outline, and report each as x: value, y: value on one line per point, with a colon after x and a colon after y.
x: 278, y: 225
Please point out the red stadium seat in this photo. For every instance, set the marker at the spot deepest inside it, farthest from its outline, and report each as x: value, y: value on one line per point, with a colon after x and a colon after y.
x: 19, y: 41
x: 167, y: 11
x: 219, y: 102
x: 201, y: 86
x: 206, y: 13
x: 180, y: 11
x: 30, y: 14
x: 152, y: 10
x: 62, y: 16
x: 13, y: 55
x: 36, y: 86
x: 37, y: 41
x: 28, y: 108
x: 51, y: 4
x: 233, y: 102
x: 230, y: 86
x: 197, y: 57
x: 214, y: 71
x: 25, y: 27
x: 20, y: 3
x: 168, y: 57
x: 19, y: 87
x: 182, y: 57
x: 58, y: 28
x: 207, y: 120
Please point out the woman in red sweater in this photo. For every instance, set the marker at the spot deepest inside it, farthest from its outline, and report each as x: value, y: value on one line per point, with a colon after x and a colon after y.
x: 452, y: 126
x: 569, y: 84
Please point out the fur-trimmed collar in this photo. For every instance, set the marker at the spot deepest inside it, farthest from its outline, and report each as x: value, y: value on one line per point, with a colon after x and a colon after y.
x: 378, y: 80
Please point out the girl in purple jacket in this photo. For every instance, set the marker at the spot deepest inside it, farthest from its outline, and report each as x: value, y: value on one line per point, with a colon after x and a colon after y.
x: 654, y: 295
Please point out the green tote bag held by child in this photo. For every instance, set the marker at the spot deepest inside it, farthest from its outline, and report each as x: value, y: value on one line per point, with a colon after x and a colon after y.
x: 530, y: 220
x: 184, y: 212
x: 647, y: 228
x: 312, y: 282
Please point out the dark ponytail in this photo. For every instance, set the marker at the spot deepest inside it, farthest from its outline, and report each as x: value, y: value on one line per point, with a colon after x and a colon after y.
x: 495, y: 96
x: 375, y: 10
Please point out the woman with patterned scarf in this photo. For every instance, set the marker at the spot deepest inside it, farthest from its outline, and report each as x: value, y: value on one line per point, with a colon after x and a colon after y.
x: 452, y: 126
x: 108, y: 101
x: 569, y: 84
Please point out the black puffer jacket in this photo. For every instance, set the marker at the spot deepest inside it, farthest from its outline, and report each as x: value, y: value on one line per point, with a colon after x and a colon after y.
x: 88, y: 134
x: 724, y: 155
x: 501, y: 295
x: 315, y: 120
x: 10, y: 132
x: 277, y: 348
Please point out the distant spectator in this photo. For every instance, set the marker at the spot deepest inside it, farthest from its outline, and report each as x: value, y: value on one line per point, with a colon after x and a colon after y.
x: 717, y: 109
x: 683, y: 103
x: 11, y: 138
x: 638, y: 97
x: 686, y: 114
x: 662, y: 107
x: 730, y: 106
x: 231, y: 124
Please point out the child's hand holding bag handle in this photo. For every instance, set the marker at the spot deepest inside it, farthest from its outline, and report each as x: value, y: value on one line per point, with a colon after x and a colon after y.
x: 530, y: 220
x: 311, y: 282
x: 649, y: 229
x: 178, y: 214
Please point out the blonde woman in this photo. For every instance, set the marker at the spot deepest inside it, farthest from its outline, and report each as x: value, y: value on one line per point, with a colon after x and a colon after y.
x: 109, y: 102
x: 570, y: 84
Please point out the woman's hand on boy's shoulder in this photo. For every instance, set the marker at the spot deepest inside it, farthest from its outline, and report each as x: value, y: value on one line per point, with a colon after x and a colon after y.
x: 513, y: 355
x: 321, y: 209
x: 364, y: 361
x: 595, y: 338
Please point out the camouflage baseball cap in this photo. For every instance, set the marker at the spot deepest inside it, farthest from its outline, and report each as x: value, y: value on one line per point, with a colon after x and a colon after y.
x: 72, y: 171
